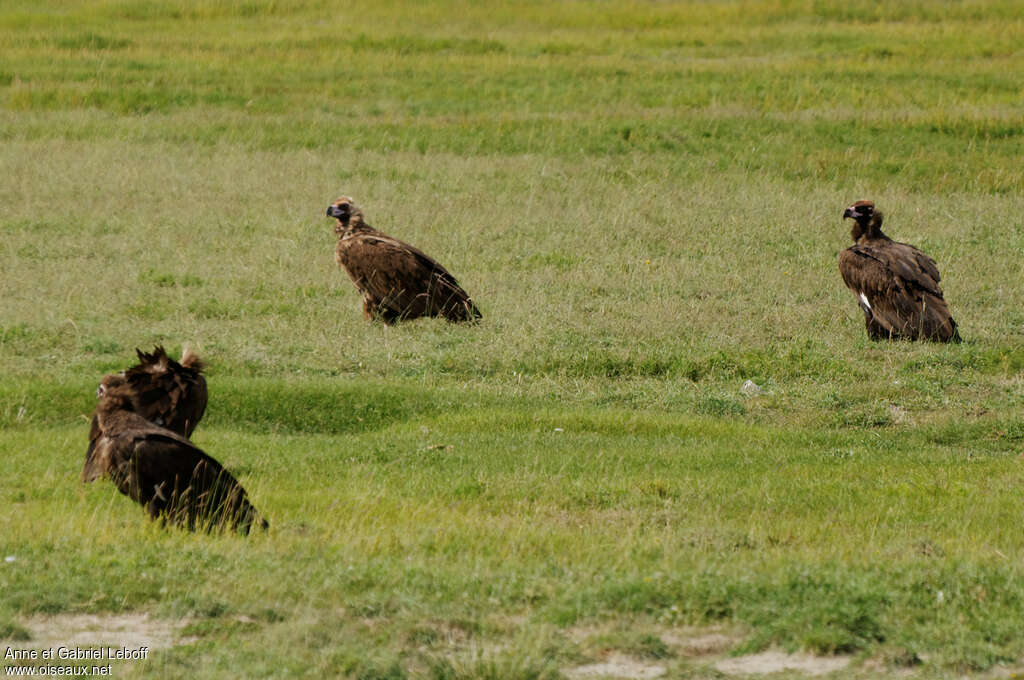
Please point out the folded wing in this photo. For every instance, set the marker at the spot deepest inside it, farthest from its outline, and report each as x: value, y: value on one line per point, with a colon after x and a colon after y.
x: 172, y: 478
x: 898, y: 288
x: 402, y: 281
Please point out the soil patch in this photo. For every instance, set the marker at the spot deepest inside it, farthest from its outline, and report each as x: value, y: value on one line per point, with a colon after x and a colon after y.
x: 88, y: 630
x: 701, y: 644
x: 773, y: 662
x: 617, y: 666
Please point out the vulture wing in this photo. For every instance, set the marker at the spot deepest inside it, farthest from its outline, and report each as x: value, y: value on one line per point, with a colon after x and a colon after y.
x: 897, y: 286
x: 171, y: 477
x: 103, y: 456
x: 399, y: 281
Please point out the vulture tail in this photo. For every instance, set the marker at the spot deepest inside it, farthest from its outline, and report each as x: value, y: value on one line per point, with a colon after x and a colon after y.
x: 190, y: 359
x: 936, y: 322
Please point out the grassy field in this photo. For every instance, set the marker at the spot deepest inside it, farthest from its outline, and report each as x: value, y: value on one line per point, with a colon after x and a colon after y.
x: 644, y: 199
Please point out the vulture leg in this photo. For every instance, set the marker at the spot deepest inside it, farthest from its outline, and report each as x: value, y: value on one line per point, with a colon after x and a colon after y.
x: 388, y: 315
x: 374, y: 310
x: 369, y: 309
x: 876, y: 331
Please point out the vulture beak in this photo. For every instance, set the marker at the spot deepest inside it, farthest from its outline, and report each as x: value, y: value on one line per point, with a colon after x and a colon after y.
x: 337, y: 211
x: 850, y: 212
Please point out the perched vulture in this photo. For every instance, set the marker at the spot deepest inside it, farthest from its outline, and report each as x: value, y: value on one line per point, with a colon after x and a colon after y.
x: 161, y: 470
x: 896, y: 284
x: 396, y: 280
x: 164, y: 392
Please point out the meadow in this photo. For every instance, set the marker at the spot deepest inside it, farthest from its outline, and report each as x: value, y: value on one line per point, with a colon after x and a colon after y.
x: 644, y: 199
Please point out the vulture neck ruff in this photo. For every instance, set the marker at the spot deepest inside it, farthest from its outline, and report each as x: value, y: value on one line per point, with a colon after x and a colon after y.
x: 355, y: 224
x: 872, y: 231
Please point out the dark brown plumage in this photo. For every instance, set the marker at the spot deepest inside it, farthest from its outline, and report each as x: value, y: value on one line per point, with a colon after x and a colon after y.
x: 161, y: 470
x: 896, y: 284
x: 396, y: 280
x: 164, y: 392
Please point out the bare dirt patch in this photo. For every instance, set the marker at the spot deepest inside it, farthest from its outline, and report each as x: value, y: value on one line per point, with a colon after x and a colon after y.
x: 617, y: 666
x: 690, y: 642
x: 84, y: 630
x: 687, y: 641
x: 774, y: 662
x: 615, y: 644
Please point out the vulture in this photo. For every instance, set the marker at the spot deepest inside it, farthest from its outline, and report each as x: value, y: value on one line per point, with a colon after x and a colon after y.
x: 162, y: 470
x: 895, y: 284
x: 396, y: 280
x: 164, y: 392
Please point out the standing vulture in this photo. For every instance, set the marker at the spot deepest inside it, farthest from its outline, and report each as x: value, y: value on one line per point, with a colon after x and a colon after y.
x: 896, y: 284
x: 161, y: 470
x: 164, y: 392
x: 396, y: 280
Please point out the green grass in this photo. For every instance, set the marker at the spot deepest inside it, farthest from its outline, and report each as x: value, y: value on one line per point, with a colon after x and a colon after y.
x: 645, y: 201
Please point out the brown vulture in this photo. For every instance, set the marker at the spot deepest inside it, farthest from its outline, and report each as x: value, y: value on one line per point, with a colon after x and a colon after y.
x: 164, y: 392
x: 396, y: 280
x: 161, y: 470
x: 896, y: 284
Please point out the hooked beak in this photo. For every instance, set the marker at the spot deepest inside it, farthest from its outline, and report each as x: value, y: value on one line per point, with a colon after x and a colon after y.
x: 850, y: 212
x: 335, y: 211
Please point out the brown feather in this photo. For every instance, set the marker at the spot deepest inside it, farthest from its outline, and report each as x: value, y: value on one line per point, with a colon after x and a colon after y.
x: 164, y: 392
x: 896, y: 285
x: 169, y: 393
x: 397, y: 281
x: 161, y: 470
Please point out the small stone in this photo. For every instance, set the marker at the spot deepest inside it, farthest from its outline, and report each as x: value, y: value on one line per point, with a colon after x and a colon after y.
x: 752, y: 389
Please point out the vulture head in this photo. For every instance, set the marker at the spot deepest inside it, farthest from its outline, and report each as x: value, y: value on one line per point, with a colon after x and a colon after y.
x: 346, y: 212
x: 113, y: 394
x: 865, y: 219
